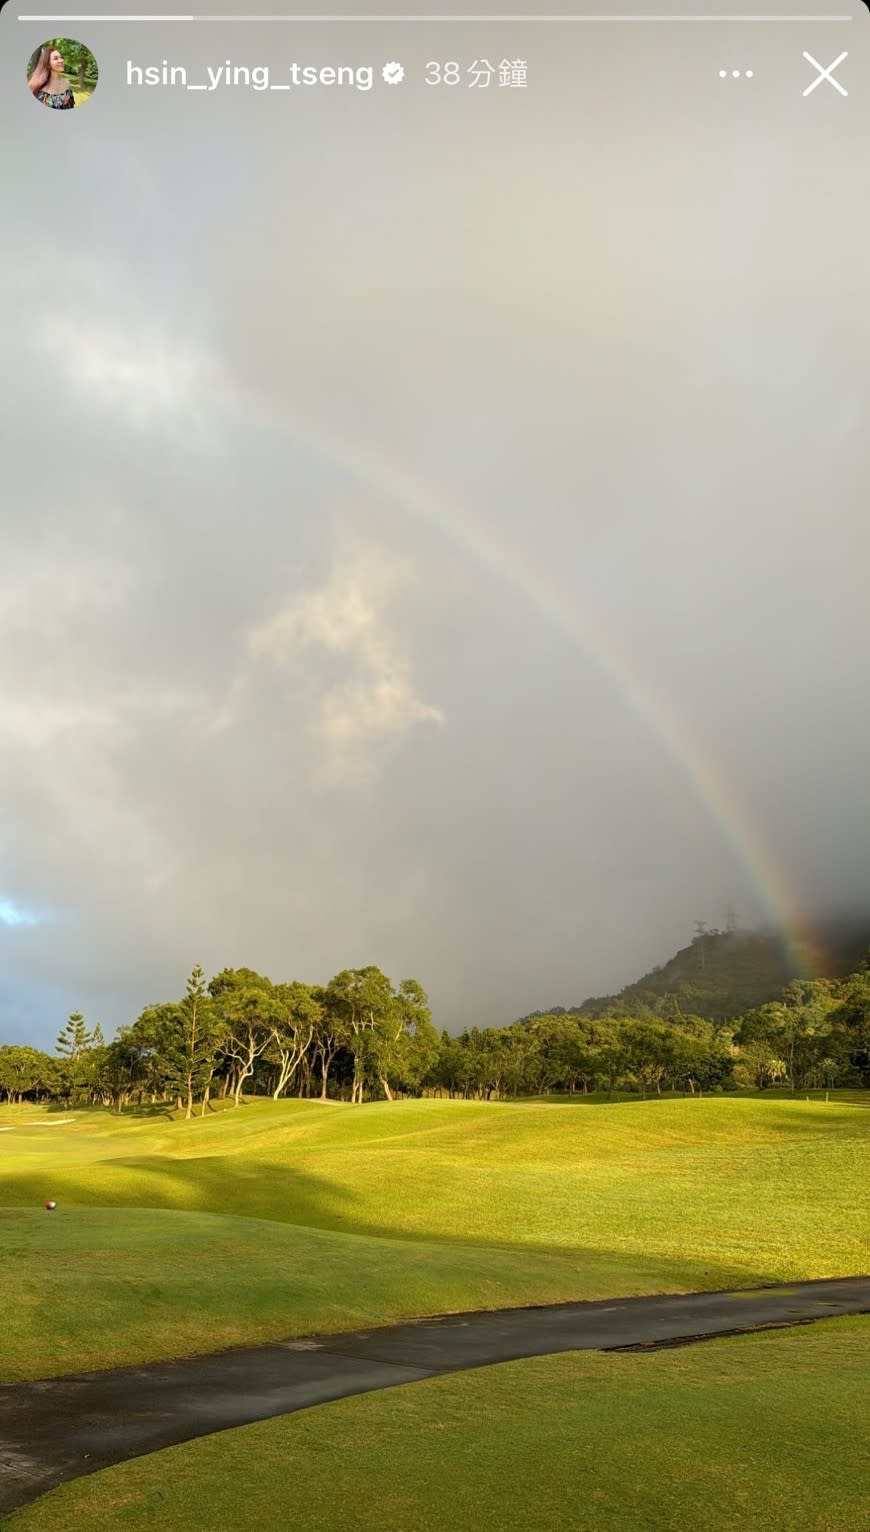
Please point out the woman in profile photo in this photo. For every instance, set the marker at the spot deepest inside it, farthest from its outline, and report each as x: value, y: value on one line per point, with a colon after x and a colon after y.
x: 48, y: 83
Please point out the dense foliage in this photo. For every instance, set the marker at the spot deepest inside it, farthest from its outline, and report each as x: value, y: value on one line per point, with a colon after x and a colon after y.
x: 817, y: 1034
x: 357, y: 1034
x: 359, y: 1037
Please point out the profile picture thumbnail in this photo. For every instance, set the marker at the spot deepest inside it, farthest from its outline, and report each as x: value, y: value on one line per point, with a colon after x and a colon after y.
x: 62, y: 73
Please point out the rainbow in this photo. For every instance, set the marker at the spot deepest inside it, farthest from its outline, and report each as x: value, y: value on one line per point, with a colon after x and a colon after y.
x: 645, y: 697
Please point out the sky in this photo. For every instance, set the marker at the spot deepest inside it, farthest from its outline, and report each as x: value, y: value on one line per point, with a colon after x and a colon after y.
x: 434, y: 524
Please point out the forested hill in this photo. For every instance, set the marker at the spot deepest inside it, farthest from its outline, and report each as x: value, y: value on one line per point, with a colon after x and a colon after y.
x: 722, y: 974
x: 719, y: 974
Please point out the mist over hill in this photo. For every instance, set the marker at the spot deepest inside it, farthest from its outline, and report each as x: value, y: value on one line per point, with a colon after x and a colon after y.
x: 722, y: 974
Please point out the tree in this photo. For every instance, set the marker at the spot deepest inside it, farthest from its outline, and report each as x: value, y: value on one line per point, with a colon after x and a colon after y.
x: 804, y: 1025
x: 172, y: 1047
x: 75, y: 1038
x: 850, y: 1025
x: 567, y: 1055
x: 759, y: 1065
x: 796, y: 1028
x: 248, y: 1013
x: 330, y: 1035
x: 449, y: 1068
x: 405, y: 1043
x: 89, y: 1082
x: 79, y: 1062
x: 698, y: 1055
x: 611, y: 1049
x: 193, y: 1034
x: 127, y: 1069
x: 648, y: 1046
x: 491, y: 1056
x: 150, y: 1045
x: 26, y: 1072
x: 297, y: 1013
x: 362, y: 999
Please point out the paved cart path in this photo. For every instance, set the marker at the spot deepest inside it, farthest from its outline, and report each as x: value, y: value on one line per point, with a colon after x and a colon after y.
x: 60, y: 1428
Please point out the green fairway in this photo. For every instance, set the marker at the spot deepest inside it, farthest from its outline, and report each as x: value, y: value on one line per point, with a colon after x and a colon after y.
x: 756, y: 1434
x: 280, y: 1218
x: 99, y: 1287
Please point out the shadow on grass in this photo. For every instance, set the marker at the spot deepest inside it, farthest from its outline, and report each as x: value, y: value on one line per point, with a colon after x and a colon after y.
x: 279, y: 1191
x: 284, y: 1195
x: 276, y: 1193
x: 241, y: 1292
x: 129, y: 1290
x: 147, y: 1110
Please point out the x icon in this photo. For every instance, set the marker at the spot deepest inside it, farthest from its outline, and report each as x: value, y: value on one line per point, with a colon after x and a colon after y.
x: 826, y: 74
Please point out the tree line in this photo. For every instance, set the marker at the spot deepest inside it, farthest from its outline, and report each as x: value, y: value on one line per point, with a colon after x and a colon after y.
x: 817, y: 1034
x: 360, y: 1037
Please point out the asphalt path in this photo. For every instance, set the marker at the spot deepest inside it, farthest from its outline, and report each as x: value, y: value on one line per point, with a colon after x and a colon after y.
x: 60, y: 1428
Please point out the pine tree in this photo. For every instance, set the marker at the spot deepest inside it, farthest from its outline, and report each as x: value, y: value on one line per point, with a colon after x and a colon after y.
x: 192, y: 1050
x: 75, y: 1038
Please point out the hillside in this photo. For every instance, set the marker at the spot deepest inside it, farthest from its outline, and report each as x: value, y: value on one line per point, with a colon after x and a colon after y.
x: 719, y: 974
x: 722, y: 974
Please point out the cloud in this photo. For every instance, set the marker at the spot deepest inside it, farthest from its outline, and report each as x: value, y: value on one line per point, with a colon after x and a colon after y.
x: 150, y: 379
x: 374, y: 699
x: 123, y: 360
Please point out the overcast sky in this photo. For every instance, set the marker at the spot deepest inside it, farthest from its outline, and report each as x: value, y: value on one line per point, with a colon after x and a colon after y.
x: 378, y: 471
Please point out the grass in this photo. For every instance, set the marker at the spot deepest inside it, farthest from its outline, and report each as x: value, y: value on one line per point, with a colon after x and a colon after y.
x: 855, y: 1096
x: 283, y: 1218
x: 756, y: 1434
x: 100, y: 1287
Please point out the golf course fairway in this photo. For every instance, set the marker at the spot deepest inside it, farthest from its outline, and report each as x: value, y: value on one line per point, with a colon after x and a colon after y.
x: 277, y: 1219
